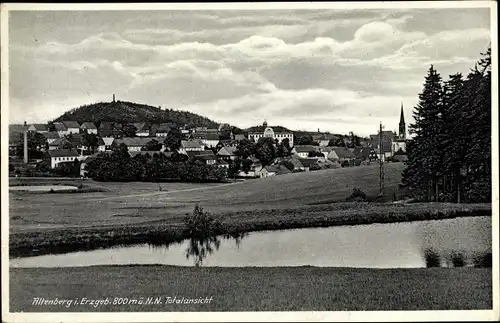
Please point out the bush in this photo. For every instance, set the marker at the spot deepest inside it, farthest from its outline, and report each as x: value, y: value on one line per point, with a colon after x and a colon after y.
x: 432, y: 259
x: 314, y: 167
x: 202, y: 224
x: 345, y: 163
x: 357, y: 195
x: 479, y: 191
x: 484, y: 260
x: 288, y: 165
x: 457, y: 259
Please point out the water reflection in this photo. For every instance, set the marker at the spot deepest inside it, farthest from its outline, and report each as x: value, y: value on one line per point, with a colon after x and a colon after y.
x: 200, y: 248
x: 457, y: 258
x: 460, y: 242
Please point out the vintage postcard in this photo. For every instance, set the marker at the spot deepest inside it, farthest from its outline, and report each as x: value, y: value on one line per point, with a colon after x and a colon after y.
x: 250, y: 162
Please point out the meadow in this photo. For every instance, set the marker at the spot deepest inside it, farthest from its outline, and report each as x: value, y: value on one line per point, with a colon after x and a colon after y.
x: 255, y: 289
x: 136, y: 212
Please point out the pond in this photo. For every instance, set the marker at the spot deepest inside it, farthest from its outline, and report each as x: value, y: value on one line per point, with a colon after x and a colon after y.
x: 453, y: 242
x: 42, y: 188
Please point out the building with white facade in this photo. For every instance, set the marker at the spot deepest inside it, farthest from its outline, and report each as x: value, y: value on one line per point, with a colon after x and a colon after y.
x: 269, y: 132
x: 55, y: 157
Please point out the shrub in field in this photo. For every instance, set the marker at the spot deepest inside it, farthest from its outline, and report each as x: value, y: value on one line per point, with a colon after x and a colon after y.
x: 357, y: 195
x: 201, y: 224
x: 432, y: 259
x: 484, y: 260
x: 457, y: 259
x: 479, y: 191
x: 51, y: 190
x: 314, y: 167
x: 288, y: 165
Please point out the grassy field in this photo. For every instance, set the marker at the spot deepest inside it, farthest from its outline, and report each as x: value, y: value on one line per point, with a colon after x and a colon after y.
x: 255, y: 289
x: 137, y: 212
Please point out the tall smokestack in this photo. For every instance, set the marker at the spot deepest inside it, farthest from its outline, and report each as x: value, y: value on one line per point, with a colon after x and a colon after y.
x: 25, y: 143
x: 113, y: 98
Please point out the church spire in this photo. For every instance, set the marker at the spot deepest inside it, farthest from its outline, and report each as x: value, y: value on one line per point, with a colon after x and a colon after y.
x: 402, y: 124
x: 402, y: 118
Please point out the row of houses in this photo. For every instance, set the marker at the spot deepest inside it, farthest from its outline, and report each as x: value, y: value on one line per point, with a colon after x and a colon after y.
x: 226, y: 149
x: 106, y: 129
x: 111, y: 130
x: 338, y: 154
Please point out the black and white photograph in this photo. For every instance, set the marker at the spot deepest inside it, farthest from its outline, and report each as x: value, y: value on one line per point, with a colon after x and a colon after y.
x: 250, y: 161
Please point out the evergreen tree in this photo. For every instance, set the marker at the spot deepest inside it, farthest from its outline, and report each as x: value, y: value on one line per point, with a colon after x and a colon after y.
x: 454, y: 141
x: 449, y: 157
x: 424, y: 156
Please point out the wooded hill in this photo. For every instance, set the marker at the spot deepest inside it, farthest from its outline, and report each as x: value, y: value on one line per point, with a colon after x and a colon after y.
x: 127, y: 112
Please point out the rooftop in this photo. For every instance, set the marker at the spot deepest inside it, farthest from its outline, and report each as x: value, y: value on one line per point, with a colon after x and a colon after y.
x: 304, y: 148
x: 62, y: 153
x: 191, y: 144
x: 227, y: 151
x: 39, y: 126
x: 70, y: 124
x: 88, y: 125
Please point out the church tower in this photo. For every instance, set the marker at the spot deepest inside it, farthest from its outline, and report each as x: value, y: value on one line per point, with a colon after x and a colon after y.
x: 402, y: 124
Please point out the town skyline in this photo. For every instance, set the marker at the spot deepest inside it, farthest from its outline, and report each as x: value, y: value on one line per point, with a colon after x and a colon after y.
x: 301, y: 69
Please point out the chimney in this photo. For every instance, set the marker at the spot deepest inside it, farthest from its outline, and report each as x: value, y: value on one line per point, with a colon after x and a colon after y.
x: 113, y: 98
x: 25, y: 143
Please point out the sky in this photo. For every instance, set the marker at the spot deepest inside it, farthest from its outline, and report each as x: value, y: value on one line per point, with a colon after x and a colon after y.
x: 332, y: 70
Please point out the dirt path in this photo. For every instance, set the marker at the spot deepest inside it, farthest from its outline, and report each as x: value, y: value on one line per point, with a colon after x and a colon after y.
x: 164, y: 192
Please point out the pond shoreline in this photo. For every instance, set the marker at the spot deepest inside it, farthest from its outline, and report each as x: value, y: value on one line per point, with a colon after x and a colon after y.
x: 56, y: 241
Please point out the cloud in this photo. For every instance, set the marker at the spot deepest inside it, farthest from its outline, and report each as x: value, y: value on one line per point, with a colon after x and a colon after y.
x: 300, y: 66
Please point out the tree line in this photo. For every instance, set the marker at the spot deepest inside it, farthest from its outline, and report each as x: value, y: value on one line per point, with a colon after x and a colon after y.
x: 119, y: 166
x: 449, y: 157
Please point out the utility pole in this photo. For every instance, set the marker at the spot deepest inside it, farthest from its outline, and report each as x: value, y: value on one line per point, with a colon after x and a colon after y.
x: 381, y: 162
x: 25, y: 143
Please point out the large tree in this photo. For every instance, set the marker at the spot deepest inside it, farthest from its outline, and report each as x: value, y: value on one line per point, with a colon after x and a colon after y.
x: 284, y: 148
x: 336, y: 142
x: 424, y: 157
x: 36, y: 145
x: 305, y: 140
x: 454, y: 139
x: 152, y: 145
x: 449, y: 157
x: 265, y: 150
x: 245, y: 148
x: 173, y: 139
x: 129, y: 130
x: 91, y: 141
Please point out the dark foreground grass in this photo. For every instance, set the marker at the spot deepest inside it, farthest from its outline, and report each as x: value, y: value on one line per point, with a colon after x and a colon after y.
x: 255, y: 289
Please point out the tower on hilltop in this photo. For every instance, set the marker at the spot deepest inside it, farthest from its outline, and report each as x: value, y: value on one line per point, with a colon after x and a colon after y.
x: 402, y: 124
